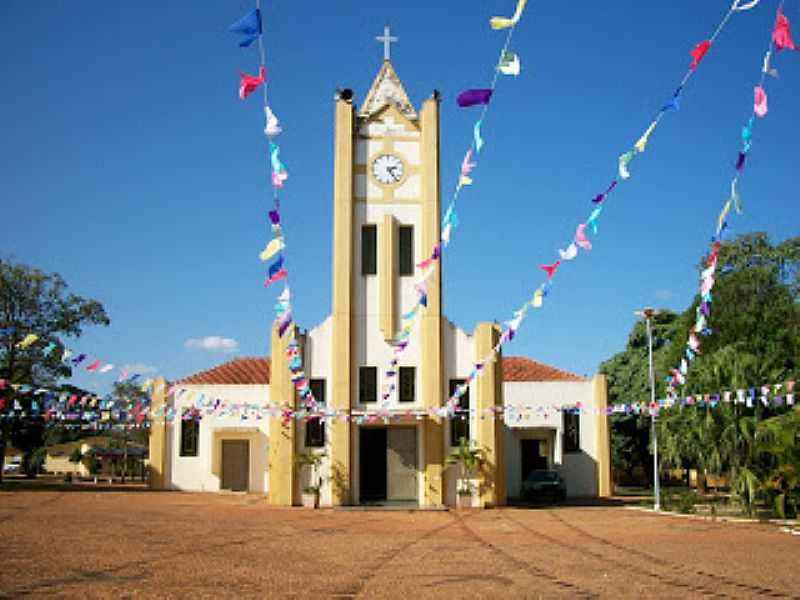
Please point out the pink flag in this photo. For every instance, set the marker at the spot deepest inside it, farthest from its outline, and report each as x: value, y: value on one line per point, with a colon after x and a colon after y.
x: 467, y: 165
x: 698, y: 52
x: 760, y: 101
x: 93, y: 367
x: 781, y: 35
x: 580, y: 237
x: 276, y: 277
x: 249, y: 83
x: 550, y: 269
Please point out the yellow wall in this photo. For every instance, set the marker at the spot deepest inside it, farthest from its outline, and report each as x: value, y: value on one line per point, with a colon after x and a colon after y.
x: 281, y: 435
x: 488, y: 390
x: 158, y: 437
x: 342, y: 302
x: 433, y: 387
x: 602, y: 436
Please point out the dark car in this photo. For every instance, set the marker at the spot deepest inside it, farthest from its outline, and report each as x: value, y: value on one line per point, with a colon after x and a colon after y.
x: 544, y: 484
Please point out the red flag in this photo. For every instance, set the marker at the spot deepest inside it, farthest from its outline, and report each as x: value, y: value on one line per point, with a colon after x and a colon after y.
x: 781, y: 35
x: 698, y: 52
x: 94, y: 366
x: 550, y: 269
x: 249, y: 83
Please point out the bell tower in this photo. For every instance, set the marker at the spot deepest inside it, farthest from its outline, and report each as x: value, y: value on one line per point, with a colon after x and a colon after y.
x: 386, y: 219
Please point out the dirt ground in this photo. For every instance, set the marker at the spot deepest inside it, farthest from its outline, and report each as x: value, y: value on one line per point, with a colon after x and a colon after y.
x: 140, y: 544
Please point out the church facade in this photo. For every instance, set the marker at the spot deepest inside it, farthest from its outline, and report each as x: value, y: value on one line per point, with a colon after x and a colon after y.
x: 386, y: 219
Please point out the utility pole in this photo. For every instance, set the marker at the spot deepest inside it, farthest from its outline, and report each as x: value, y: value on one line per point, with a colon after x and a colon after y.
x: 647, y: 314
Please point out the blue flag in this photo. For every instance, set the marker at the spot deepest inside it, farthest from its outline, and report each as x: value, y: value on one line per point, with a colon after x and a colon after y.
x: 249, y: 26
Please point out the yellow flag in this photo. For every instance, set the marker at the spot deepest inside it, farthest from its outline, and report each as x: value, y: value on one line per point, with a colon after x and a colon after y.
x: 722, y: 215
x: 272, y: 249
x: 29, y: 339
x: 464, y: 180
x: 504, y: 22
x: 640, y: 145
x: 537, y: 299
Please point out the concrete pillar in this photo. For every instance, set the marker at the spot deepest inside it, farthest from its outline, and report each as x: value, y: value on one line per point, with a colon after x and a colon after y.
x: 488, y: 391
x: 158, y: 454
x: 281, y: 434
x: 602, y: 436
x: 433, y: 385
x: 342, y: 304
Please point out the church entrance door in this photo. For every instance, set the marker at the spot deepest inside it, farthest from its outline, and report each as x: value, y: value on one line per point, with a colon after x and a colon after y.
x: 235, y: 465
x: 401, y: 456
x: 372, y: 463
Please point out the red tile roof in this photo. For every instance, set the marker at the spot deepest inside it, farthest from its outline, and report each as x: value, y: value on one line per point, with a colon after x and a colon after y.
x: 256, y: 370
x: 520, y: 368
x: 239, y: 371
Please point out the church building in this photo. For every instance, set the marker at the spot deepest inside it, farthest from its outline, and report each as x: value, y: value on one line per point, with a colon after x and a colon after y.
x: 386, y: 219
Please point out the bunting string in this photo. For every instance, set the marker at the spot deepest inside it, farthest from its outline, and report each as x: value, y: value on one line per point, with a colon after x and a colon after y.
x: 580, y: 240
x: 507, y: 64
x: 780, y: 38
x: 95, y: 412
x: 274, y: 253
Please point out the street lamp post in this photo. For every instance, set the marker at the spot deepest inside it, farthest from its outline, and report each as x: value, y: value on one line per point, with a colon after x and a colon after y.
x: 647, y: 314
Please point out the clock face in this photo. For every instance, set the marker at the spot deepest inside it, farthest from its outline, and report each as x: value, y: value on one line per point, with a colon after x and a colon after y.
x: 387, y: 169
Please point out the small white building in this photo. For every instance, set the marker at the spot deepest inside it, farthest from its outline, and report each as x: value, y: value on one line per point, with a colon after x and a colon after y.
x: 387, y: 218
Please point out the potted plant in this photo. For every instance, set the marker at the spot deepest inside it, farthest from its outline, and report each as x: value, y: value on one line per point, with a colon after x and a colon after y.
x: 471, y: 460
x: 310, y: 462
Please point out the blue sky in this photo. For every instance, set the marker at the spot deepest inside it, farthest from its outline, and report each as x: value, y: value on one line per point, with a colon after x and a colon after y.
x: 131, y: 168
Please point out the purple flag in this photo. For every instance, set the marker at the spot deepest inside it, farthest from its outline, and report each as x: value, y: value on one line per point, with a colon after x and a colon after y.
x: 473, y: 97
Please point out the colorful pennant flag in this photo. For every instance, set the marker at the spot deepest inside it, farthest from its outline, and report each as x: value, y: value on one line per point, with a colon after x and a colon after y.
x: 474, y: 97
x: 249, y: 83
x: 249, y: 26
x: 505, y: 22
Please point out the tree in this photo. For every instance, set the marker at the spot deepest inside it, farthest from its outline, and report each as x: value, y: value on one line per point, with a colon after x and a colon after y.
x: 34, y: 302
x: 755, y: 339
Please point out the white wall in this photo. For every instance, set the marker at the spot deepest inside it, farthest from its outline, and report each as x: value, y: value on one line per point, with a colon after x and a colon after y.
x: 532, y: 411
x: 369, y: 345
x: 195, y: 473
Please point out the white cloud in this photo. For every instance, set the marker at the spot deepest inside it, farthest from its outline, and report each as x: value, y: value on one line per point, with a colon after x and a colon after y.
x: 213, y: 343
x: 140, y: 368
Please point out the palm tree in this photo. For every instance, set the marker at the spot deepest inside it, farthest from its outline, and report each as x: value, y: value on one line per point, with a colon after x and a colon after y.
x: 471, y: 460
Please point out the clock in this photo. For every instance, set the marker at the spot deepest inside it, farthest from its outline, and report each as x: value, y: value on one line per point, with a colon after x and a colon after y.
x: 387, y: 169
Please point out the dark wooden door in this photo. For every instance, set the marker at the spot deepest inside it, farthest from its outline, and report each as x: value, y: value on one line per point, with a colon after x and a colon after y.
x: 235, y: 465
x: 532, y: 458
x: 372, y: 463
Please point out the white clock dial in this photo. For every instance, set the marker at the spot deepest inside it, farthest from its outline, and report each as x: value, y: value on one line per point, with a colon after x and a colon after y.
x: 387, y: 169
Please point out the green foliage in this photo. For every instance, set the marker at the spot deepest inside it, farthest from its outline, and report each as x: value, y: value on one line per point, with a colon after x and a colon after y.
x: 34, y: 302
x: 33, y: 461
x: 628, y: 383
x: 471, y: 460
x: 755, y: 339
x: 311, y: 460
x: 76, y: 456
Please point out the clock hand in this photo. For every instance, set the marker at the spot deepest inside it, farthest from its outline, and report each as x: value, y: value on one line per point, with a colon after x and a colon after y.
x: 392, y: 169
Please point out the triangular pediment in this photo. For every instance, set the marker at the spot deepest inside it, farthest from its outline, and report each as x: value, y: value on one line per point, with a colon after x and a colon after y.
x: 387, y: 89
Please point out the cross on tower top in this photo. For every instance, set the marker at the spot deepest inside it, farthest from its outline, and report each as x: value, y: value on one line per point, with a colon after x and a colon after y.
x: 387, y: 39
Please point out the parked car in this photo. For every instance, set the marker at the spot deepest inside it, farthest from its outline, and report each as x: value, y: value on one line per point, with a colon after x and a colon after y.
x: 544, y: 484
x: 13, y: 467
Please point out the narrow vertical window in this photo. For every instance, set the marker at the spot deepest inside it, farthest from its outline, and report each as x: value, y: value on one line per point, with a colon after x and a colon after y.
x: 408, y: 376
x: 572, y: 429
x: 405, y: 236
x: 190, y: 431
x: 369, y: 249
x: 367, y: 384
x: 315, y: 427
x: 459, y: 423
